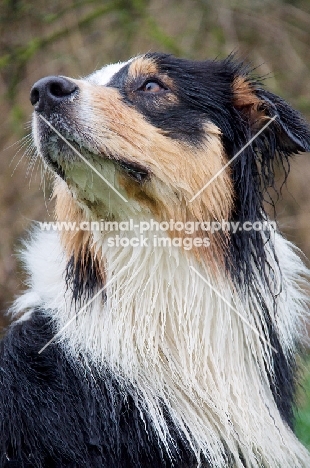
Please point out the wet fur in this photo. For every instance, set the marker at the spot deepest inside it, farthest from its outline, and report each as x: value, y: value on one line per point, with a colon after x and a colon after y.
x: 158, y: 370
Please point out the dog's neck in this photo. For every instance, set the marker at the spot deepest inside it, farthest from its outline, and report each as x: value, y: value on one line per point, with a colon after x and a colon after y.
x: 164, y: 324
x: 188, y: 340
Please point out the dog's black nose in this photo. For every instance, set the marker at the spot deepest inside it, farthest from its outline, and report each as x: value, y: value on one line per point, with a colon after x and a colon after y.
x: 50, y: 91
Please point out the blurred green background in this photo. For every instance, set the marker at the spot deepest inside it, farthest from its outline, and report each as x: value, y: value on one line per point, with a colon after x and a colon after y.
x: 74, y: 37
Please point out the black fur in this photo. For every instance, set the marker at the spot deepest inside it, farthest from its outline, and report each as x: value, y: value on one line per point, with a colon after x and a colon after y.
x: 56, y: 412
x: 82, y: 276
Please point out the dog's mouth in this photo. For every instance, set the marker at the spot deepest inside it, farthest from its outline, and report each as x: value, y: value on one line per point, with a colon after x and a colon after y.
x: 60, y: 152
x: 135, y: 171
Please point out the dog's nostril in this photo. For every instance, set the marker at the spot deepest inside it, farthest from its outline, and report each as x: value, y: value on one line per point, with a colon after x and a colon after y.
x: 49, y: 91
x: 57, y: 90
x: 34, y: 96
x: 61, y: 87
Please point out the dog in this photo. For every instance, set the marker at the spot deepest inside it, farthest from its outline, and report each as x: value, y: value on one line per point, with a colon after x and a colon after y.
x: 168, y: 335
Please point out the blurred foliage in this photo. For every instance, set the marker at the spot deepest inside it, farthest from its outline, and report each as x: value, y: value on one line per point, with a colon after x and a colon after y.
x: 302, y: 420
x: 74, y: 37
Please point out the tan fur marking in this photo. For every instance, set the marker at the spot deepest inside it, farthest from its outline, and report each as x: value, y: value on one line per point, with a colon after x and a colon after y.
x: 246, y: 100
x: 244, y: 94
x: 142, y: 66
x: 76, y: 243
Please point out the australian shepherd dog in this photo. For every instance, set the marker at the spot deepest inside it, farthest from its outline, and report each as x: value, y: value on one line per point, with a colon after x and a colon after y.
x: 168, y: 336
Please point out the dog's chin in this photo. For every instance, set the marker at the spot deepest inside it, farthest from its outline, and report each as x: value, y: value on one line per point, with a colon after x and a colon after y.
x: 59, y: 156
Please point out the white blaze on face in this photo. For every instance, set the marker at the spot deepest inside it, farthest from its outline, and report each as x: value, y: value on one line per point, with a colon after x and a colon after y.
x: 104, y: 75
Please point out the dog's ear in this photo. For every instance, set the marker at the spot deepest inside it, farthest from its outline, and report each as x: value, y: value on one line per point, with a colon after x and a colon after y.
x: 289, y: 133
x: 253, y: 171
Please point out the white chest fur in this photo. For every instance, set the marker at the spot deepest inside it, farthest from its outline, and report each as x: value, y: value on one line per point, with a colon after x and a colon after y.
x: 173, y: 335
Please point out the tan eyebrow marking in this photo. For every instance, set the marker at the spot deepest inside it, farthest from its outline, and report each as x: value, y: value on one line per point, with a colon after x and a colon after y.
x: 143, y: 66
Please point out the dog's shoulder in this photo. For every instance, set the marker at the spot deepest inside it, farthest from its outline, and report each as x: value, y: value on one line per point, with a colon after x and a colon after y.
x: 80, y: 417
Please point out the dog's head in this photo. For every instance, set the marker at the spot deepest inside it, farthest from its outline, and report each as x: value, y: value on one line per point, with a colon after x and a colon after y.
x: 162, y: 131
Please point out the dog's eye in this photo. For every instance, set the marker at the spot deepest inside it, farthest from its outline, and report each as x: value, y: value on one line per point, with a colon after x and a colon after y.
x: 152, y: 86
